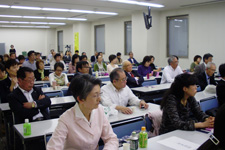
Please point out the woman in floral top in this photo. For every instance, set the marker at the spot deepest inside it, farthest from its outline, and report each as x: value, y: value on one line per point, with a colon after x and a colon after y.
x: 60, y: 78
x: 180, y: 109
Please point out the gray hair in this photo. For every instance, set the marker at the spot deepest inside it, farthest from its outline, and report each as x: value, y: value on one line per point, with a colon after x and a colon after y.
x: 209, y: 64
x: 170, y: 59
x: 124, y: 62
x: 114, y: 75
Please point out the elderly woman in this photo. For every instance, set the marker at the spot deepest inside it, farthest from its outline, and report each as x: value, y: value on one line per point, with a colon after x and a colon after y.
x: 73, y: 63
x: 99, y: 65
x: 179, y: 103
x: 60, y: 78
x: 83, y: 125
x: 41, y: 74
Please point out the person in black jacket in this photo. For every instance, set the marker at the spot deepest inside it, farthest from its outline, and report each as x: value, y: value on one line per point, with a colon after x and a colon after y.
x: 207, y: 77
x: 27, y: 101
x: 41, y: 74
x: 134, y: 79
x: 220, y: 88
x: 10, y: 82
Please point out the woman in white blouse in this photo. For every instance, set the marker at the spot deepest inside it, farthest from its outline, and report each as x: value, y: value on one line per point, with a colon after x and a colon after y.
x: 58, y: 75
x: 113, y: 63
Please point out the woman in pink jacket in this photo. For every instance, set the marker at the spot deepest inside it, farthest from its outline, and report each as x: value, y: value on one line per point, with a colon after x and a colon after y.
x: 81, y: 127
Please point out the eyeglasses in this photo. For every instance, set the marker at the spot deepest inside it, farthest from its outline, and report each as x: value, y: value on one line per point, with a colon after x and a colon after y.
x: 122, y: 80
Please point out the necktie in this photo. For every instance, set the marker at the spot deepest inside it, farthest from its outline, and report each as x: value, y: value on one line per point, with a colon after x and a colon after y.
x: 131, y: 74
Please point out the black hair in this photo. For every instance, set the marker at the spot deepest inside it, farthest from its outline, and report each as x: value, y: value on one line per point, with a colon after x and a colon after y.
x: 152, y: 57
x: 176, y: 89
x: 114, y: 75
x: 21, y: 73
x: 37, y: 53
x: 197, y: 57
x: 10, y: 62
x: 83, y: 53
x: 21, y: 57
x: 56, y: 55
x: 1, y: 57
x: 11, y: 54
x: 97, y: 56
x: 222, y: 70
x: 73, y: 58
x: 82, y: 85
x: 80, y: 65
x: 30, y: 53
x: 206, y: 56
x: 118, y: 54
x: 146, y: 59
x: 99, y: 53
x: 2, y: 67
x: 112, y: 57
x: 76, y: 51
x: 130, y: 53
x: 58, y: 64
x: 82, y: 57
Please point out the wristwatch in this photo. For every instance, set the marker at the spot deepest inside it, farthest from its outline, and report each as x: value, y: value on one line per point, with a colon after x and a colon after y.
x: 33, y: 104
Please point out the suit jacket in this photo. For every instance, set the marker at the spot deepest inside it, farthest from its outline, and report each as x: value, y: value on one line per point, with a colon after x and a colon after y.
x: 38, y: 75
x: 135, y: 61
x: 199, y: 69
x: 5, y: 89
x: 202, y: 82
x: 131, y: 82
x: 73, y: 132
x: 16, y: 100
x: 220, y: 92
x: 93, y: 58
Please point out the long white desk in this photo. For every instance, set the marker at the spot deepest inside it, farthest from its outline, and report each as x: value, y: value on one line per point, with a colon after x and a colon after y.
x: 153, y: 88
x: 50, y: 89
x: 42, y: 82
x: 191, y: 136
x: 39, y: 129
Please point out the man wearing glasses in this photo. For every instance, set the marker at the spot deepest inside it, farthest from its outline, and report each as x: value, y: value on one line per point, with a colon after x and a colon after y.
x: 207, y: 77
x: 27, y: 101
x: 118, y: 95
x: 171, y: 71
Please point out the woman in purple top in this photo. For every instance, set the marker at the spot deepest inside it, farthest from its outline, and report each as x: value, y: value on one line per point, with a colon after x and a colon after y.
x: 145, y: 68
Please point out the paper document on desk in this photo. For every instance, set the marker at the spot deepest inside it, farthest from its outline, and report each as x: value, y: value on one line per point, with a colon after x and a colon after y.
x: 178, y: 143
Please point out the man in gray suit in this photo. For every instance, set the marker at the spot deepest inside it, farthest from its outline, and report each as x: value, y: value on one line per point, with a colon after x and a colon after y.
x: 201, y: 68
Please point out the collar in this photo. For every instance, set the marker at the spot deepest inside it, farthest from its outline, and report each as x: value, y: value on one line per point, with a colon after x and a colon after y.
x: 79, y: 114
x: 30, y: 62
x: 172, y: 67
x: 24, y: 91
x: 207, y: 77
x: 113, y: 87
x: 205, y: 64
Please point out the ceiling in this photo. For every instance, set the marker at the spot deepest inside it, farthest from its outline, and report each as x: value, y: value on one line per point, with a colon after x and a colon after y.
x: 93, y: 5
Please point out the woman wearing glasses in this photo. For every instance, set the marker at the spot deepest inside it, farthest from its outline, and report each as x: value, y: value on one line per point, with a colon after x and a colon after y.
x: 83, y: 125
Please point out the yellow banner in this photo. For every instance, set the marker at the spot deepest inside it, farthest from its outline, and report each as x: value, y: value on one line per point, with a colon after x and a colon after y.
x: 76, y: 41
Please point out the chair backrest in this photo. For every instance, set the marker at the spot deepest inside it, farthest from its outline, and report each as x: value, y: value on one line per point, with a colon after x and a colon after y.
x: 54, y: 94
x: 209, y: 104
x: 47, y: 137
x: 149, y: 82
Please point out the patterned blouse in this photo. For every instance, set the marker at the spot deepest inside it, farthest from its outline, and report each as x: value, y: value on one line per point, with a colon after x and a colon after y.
x: 177, y: 116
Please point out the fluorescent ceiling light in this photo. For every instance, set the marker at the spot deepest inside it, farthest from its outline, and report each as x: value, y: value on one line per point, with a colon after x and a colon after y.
x: 8, y: 26
x: 56, y: 18
x: 34, y: 17
x: 4, y: 6
x: 42, y: 26
x: 55, y: 23
x: 38, y: 23
x: 105, y: 13
x: 10, y: 16
x: 4, y: 22
x: 137, y: 3
x: 13, y: 26
x: 82, y: 11
x: 25, y: 7
x: 55, y: 9
x: 19, y: 22
x: 78, y: 19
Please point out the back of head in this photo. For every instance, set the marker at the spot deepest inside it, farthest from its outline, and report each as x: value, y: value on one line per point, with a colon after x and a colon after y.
x: 82, y: 85
x: 206, y: 56
x: 114, y: 75
x: 176, y: 89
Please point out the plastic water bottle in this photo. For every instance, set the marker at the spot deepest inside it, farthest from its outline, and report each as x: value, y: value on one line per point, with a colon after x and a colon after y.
x: 143, y: 138
x: 96, y: 74
x: 133, y: 141
x: 27, y: 127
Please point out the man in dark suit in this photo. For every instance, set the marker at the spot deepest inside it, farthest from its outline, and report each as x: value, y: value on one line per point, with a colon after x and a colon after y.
x: 220, y: 88
x: 133, y: 78
x: 132, y: 59
x: 27, y: 101
x: 201, y: 68
x: 93, y: 58
x: 207, y: 77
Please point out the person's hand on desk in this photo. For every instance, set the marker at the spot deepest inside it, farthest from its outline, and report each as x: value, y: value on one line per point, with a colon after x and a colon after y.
x: 143, y: 104
x: 124, y: 110
x: 208, y: 123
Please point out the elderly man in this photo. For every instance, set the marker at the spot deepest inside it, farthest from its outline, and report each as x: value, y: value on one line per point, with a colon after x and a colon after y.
x: 31, y: 63
x: 132, y: 59
x: 117, y: 94
x: 27, y: 101
x: 171, y: 71
x: 201, y: 68
x: 134, y: 79
x: 207, y: 77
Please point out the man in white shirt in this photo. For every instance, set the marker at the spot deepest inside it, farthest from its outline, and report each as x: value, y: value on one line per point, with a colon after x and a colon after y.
x: 117, y: 94
x: 171, y: 71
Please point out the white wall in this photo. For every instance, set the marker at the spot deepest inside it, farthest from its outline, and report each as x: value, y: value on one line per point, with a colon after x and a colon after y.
x: 206, y: 33
x: 28, y: 39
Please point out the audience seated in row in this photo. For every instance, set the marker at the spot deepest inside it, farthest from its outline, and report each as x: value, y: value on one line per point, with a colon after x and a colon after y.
x: 132, y: 59
x: 99, y: 65
x: 201, y: 68
x: 119, y: 59
x: 145, y: 68
x: 113, y: 63
x: 73, y: 63
x: 31, y: 63
x: 197, y: 60
x: 57, y: 58
x: 152, y: 65
x: 41, y: 74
